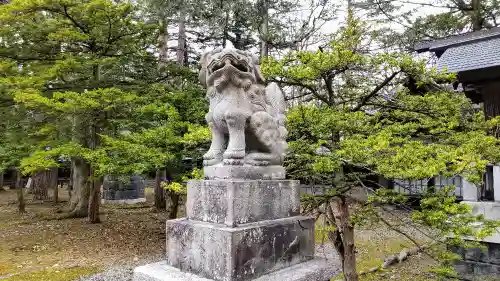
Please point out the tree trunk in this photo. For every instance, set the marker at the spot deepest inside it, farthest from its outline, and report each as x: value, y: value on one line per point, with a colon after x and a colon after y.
x: 159, y: 192
x: 163, y: 41
x: 181, y: 41
x: 173, y: 206
x: 476, y: 17
x: 20, y: 192
x: 95, y: 200
x: 264, y: 32
x: 341, y: 214
x: 40, y: 185
x: 54, y: 176
x: 79, y: 203
x: 225, y: 32
x: 70, y: 183
x: 1, y: 180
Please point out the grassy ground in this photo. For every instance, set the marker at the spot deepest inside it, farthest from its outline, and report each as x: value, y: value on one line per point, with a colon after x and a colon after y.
x: 376, y: 242
x: 36, y: 247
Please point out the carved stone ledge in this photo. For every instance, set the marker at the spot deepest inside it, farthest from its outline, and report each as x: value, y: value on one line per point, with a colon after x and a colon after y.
x: 244, y: 172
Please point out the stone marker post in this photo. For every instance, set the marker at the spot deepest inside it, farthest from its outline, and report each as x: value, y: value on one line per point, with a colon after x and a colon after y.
x: 243, y: 221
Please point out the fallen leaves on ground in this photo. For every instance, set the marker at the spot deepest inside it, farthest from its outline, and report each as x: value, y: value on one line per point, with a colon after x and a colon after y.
x: 33, y: 242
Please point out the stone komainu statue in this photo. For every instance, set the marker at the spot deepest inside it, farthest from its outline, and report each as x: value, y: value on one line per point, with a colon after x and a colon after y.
x: 247, y: 119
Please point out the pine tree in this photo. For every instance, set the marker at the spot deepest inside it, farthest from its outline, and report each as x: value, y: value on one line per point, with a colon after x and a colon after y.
x: 357, y: 108
x: 79, y: 63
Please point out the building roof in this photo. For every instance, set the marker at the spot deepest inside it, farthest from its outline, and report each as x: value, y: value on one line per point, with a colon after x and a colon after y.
x: 472, y: 56
x: 466, y: 52
x: 457, y: 40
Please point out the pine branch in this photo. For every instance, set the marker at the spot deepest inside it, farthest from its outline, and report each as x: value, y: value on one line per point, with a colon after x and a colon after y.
x: 379, y: 87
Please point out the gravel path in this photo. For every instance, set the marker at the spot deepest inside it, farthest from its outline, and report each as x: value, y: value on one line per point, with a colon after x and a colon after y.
x: 124, y: 273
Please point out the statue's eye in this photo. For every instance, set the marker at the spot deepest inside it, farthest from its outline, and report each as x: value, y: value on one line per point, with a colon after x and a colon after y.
x: 240, y: 67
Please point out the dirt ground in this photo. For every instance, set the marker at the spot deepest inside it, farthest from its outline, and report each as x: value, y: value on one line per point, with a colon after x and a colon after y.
x: 35, y: 242
x: 35, y: 246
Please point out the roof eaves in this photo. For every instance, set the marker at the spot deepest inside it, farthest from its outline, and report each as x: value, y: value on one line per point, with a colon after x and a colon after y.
x: 455, y: 40
x: 465, y: 38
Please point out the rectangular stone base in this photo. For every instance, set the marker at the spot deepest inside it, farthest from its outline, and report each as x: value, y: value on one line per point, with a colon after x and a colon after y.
x: 317, y: 269
x: 243, y: 172
x: 245, y: 252
x: 235, y: 202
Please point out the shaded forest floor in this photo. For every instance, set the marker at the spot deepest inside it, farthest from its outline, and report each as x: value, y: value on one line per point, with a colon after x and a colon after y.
x: 35, y: 246
x: 66, y: 249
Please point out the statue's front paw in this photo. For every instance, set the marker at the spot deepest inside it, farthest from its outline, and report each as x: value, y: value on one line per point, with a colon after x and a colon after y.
x: 212, y: 157
x: 257, y: 162
x: 233, y: 157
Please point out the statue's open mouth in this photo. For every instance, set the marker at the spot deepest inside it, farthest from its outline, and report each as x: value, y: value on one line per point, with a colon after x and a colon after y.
x: 228, y: 60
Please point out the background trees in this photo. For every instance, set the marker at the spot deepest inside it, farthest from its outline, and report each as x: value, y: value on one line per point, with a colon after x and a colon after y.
x: 409, y: 22
x: 112, y: 87
x: 358, y: 107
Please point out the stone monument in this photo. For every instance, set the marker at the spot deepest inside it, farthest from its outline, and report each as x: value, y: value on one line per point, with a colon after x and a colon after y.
x: 243, y: 221
x: 116, y: 192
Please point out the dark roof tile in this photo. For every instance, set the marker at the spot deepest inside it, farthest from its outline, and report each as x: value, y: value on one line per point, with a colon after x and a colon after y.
x: 476, y: 55
x: 461, y: 39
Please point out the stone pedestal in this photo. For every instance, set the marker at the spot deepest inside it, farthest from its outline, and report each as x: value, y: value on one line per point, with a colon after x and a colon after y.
x: 239, y: 230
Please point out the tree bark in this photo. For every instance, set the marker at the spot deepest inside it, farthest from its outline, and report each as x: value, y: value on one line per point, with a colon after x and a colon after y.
x: 53, y: 183
x: 1, y: 180
x: 40, y: 185
x: 70, y: 183
x: 159, y: 191
x: 476, y: 17
x: 163, y: 42
x: 225, y: 32
x: 95, y: 200
x: 264, y: 32
x: 79, y: 203
x: 173, y: 206
x: 20, y: 192
x: 341, y: 214
x: 181, y: 41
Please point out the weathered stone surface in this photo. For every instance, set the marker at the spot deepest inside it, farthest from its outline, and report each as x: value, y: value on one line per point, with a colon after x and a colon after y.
x: 239, y: 253
x: 114, y: 190
x: 485, y: 262
x: 244, y: 172
x: 317, y: 269
x: 233, y: 202
x: 470, y: 268
x: 246, y: 118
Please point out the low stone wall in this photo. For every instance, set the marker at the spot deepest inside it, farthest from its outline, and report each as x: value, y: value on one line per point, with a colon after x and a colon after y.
x: 479, y: 262
x: 114, y: 190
